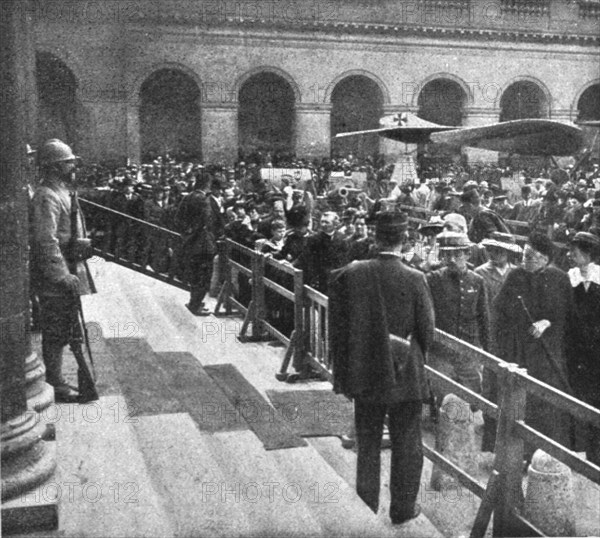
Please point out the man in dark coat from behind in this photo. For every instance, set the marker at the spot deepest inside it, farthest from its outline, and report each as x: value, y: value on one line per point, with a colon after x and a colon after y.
x: 372, y: 302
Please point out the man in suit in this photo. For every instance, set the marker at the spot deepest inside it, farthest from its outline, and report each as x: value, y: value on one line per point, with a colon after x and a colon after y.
x: 323, y: 253
x: 195, y: 223
x: 51, y: 278
x: 217, y: 207
x: 483, y: 221
x: 381, y: 326
x: 525, y: 209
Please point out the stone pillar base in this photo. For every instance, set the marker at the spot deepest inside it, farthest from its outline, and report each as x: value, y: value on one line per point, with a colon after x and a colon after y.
x: 33, y: 511
x: 27, y: 460
x: 39, y: 394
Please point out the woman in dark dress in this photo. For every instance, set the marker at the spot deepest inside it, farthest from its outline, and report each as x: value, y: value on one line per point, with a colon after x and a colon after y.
x: 583, y: 349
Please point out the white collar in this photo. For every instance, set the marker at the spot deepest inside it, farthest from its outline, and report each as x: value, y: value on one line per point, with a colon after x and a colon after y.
x: 593, y: 275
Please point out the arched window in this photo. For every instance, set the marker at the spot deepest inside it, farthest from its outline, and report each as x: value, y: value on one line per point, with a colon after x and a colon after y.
x: 522, y: 100
x: 170, y: 120
x: 357, y: 105
x: 266, y: 118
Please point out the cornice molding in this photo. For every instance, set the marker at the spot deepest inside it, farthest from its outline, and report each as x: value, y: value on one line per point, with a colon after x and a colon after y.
x: 368, y: 42
x: 397, y: 30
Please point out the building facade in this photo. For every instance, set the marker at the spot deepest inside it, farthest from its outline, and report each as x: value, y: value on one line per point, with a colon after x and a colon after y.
x: 124, y: 80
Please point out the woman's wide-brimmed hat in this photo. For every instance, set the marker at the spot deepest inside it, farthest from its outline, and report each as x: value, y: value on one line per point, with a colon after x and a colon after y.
x: 588, y: 240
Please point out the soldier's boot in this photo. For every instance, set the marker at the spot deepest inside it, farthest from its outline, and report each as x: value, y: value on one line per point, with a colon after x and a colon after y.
x: 52, y: 353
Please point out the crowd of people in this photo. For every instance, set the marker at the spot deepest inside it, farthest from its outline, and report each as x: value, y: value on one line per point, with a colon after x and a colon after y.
x: 444, y: 245
x: 318, y: 229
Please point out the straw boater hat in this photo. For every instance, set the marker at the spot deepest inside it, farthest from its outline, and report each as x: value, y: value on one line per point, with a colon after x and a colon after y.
x: 453, y: 241
x: 502, y: 241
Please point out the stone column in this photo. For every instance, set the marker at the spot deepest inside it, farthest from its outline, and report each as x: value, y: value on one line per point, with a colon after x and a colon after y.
x: 27, y: 460
x: 313, y: 130
x: 475, y: 117
x: 219, y: 132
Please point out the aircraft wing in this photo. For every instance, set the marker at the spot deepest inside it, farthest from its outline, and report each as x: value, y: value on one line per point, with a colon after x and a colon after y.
x: 407, y: 135
x: 403, y: 127
x: 524, y: 137
x: 590, y: 123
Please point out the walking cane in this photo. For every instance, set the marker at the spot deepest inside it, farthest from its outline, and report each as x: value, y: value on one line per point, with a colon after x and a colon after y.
x: 551, y: 360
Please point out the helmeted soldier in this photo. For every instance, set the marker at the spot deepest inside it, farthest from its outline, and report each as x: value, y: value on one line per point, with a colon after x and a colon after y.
x: 52, y: 258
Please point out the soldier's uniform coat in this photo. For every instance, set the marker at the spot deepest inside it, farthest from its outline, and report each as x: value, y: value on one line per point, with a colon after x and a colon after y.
x: 461, y: 309
x: 50, y: 235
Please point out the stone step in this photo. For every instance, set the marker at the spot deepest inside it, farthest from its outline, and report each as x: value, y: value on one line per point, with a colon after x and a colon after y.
x: 331, y: 500
x: 189, y: 480
x: 261, y: 486
x: 159, y: 331
x: 102, y: 479
x: 343, y: 461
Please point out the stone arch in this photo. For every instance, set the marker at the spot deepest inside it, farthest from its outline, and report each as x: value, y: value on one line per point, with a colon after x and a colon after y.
x: 146, y: 73
x: 169, y: 114
x: 58, y: 111
x: 531, y: 86
x: 65, y: 56
x: 576, y: 107
x: 267, y: 104
x: 443, y: 100
x: 356, y: 105
x: 443, y: 76
x: 242, y: 79
x: 356, y: 72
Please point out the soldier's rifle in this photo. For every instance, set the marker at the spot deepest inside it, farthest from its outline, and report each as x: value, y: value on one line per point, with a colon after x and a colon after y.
x: 85, y: 373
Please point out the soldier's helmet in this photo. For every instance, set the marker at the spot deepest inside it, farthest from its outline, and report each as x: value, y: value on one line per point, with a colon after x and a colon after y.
x: 55, y: 151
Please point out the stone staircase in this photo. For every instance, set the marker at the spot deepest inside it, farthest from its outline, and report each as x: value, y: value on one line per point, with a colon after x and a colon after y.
x: 143, y: 462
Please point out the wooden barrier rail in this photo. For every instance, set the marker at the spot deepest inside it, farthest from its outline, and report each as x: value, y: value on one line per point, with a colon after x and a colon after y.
x: 114, y: 239
x: 502, y: 496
